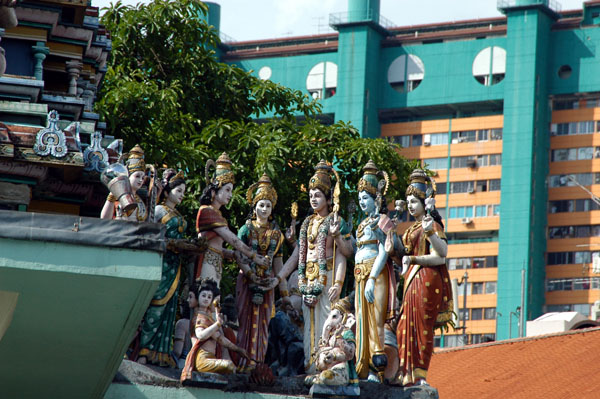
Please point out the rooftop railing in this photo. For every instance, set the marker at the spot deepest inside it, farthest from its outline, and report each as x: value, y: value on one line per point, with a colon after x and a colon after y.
x: 341, y: 18
x: 551, y: 4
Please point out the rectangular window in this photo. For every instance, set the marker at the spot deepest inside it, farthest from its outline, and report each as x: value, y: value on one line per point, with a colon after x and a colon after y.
x: 453, y: 213
x: 477, y: 288
x: 585, y: 153
x: 439, y: 139
x: 417, y: 140
x: 496, y: 134
x: 436, y: 163
x: 483, y: 135
x: 477, y: 314
x: 483, y: 160
x: 495, y: 159
x: 404, y: 141
x: 478, y: 263
x: 489, y: 313
x: 490, y: 287
x: 481, y: 211
x: 481, y: 186
x: 441, y: 188
x: 583, y: 308
x: 496, y: 210
x: 491, y: 261
x: 495, y: 185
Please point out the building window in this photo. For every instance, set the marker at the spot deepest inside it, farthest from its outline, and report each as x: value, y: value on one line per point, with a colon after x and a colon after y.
x: 436, y: 163
x: 322, y: 80
x: 489, y: 313
x: 568, y: 258
x: 495, y: 185
x: 489, y: 66
x: 490, y: 287
x: 265, y: 73
x: 406, y: 73
x: 476, y: 288
x: 585, y: 179
x: 477, y: 314
x: 565, y: 71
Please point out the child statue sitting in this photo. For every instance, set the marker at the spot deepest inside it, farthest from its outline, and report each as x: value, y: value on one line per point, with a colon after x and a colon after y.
x: 334, y: 357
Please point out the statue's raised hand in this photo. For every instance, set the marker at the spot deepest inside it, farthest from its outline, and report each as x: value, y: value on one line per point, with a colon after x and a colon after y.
x: 427, y: 223
x: 370, y: 290
x: 290, y: 233
x: 429, y: 204
x: 334, y: 226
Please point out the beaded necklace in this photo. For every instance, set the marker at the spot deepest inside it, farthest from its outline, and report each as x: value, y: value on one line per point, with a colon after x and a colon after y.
x: 314, y: 288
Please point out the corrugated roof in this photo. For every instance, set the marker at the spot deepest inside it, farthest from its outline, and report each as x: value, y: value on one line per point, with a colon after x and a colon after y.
x: 563, y: 365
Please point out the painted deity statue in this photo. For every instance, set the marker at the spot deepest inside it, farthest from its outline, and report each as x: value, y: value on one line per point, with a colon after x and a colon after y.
x: 209, y: 344
x: 335, y: 356
x: 213, y: 227
x: 137, y: 172
x: 255, y: 283
x: 427, y: 297
x: 156, y: 337
x: 374, y: 275
x: 321, y: 258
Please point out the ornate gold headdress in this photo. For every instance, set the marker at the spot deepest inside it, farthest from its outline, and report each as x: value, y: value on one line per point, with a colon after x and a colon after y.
x: 135, y: 160
x: 264, y: 190
x: 418, y: 184
x: 371, y: 184
x: 223, y: 172
x: 368, y: 182
x: 322, y: 177
x: 178, y: 176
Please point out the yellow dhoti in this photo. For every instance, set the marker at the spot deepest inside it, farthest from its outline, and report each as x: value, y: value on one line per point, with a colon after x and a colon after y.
x: 370, y: 317
x: 207, y: 362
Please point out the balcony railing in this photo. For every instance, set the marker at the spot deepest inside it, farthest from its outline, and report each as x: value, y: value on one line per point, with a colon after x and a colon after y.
x: 551, y: 4
x: 341, y: 18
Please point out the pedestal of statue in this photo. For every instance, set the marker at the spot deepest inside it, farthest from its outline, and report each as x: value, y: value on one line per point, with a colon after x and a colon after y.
x: 326, y: 391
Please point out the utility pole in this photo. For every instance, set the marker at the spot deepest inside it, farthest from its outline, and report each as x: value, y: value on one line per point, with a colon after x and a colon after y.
x: 464, y: 280
x: 522, y: 312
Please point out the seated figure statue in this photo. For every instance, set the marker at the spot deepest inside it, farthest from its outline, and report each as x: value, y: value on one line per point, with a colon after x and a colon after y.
x: 209, y: 341
x: 334, y: 357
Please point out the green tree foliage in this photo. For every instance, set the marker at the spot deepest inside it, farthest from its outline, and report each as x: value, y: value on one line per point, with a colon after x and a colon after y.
x: 165, y: 90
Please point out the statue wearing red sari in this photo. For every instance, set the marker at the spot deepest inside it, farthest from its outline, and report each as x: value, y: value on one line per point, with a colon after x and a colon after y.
x: 427, y: 296
x: 213, y: 227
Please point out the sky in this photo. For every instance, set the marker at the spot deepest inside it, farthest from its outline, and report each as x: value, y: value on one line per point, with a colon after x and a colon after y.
x: 264, y: 19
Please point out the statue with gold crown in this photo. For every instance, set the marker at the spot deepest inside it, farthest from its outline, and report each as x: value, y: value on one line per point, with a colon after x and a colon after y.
x: 158, y: 324
x: 335, y: 356
x: 321, y: 255
x: 254, y: 289
x: 213, y: 227
x: 427, y: 298
x: 124, y: 181
x: 373, y: 274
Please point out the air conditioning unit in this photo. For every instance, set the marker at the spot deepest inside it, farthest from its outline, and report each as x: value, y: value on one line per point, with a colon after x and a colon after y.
x: 426, y: 140
x: 435, y: 173
x: 471, y: 191
x: 466, y: 221
x: 471, y: 163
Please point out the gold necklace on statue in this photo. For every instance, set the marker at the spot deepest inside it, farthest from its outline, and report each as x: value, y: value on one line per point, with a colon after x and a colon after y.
x: 313, y: 230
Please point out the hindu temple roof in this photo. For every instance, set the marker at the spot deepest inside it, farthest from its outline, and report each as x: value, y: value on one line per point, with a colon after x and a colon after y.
x: 561, y: 365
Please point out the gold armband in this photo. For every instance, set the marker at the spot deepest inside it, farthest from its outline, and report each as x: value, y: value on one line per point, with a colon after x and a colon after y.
x: 429, y: 233
x: 340, y: 282
x: 284, y: 293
